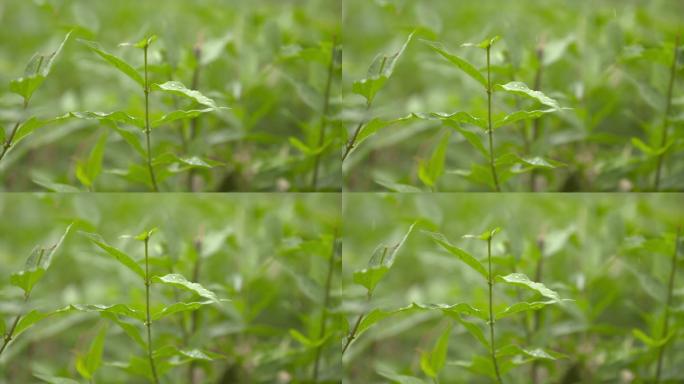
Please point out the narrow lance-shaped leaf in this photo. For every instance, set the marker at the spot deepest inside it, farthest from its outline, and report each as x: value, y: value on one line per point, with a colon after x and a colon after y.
x: 87, y: 364
x: 117, y: 62
x: 177, y: 88
x: 433, y: 362
x: 520, y: 280
x: 178, y: 281
x: 462, y: 255
x: 120, y: 256
x: 179, y: 307
x: 37, y: 263
x: 460, y: 63
x: 180, y: 115
x: 87, y: 171
x: 519, y: 88
x: 380, y: 263
x: 429, y: 172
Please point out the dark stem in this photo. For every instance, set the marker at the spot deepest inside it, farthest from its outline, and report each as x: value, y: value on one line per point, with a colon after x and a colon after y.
x: 489, y: 119
x: 197, y: 51
x: 9, y: 335
x: 326, y: 304
x: 324, y: 114
x: 352, y: 334
x: 194, y: 317
x: 352, y: 141
x: 668, y: 302
x: 8, y: 143
x: 147, y: 127
x: 490, y: 282
x: 148, y: 321
x: 536, y: 128
x: 666, y: 118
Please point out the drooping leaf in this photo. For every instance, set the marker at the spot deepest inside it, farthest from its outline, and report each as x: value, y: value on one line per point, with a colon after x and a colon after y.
x: 648, y: 150
x: 462, y: 255
x: 120, y: 256
x: 29, y: 126
x: 528, y: 355
x: 651, y: 342
x: 131, y: 330
x: 178, y: 281
x: 116, y: 117
x: 433, y: 362
x: 307, y: 342
x: 429, y: 172
x: 460, y: 63
x: 180, y: 115
x: 520, y: 88
x: 179, y: 307
x: 117, y: 62
x: 36, y: 265
x: 517, y: 116
x: 177, y: 88
x: 524, y: 307
x: 380, y: 263
x: 115, y: 309
x: 377, y: 315
x: 520, y: 280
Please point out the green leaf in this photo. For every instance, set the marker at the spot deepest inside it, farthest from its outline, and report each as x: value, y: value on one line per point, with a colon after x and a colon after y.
x: 88, y: 171
x: 118, y: 63
x: 35, y: 73
x: 648, y: 150
x: 528, y: 355
x: 380, y: 71
x: 521, y: 116
x: 146, y: 234
x: 519, y: 88
x: 472, y: 328
x: 120, y: 256
x: 178, y: 281
x: 484, y: 44
x: 520, y: 280
x: 524, y: 307
x: 462, y: 255
x: 54, y: 379
x: 433, y: 362
x: 486, y: 235
x: 397, y: 378
x: 131, y: 330
x: 377, y: 315
x: 177, y: 88
x: 456, y: 117
x: 36, y: 265
x: 181, y: 115
x: 87, y: 364
x: 651, y: 342
x: 116, y: 117
x: 460, y: 63
x: 398, y: 187
x: 305, y: 149
x: 116, y: 309
x: 379, y: 264
x: 305, y: 341
x: 29, y: 126
x: 429, y: 172
x: 179, y: 307
x: 473, y: 138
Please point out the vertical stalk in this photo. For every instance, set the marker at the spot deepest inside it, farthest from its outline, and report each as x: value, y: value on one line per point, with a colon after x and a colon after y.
x: 148, y: 321
x: 197, y: 51
x: 489, y: 119
x: 537, y: 122
x: 194, y: 317
x: 8, y: 143
x: 326, y: 304
x: 668, y: 302
x: 490, y: 282
x: 147, y: 125
x: 536, y: 325
x: 666, y: 118
x: 324, y: 113
x: 9, y: 335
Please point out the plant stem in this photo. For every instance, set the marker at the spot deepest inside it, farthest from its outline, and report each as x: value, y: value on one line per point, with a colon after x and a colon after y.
x: 666, y: 118
x: 490, y: 131
x: 194, y: 317
x: 8, y: 143
x: 147, y: 126
x: 8, y: 336
x: 490, y: 282
x: 197, y: 51
x: 324, y: 113
x: 148, y: 321
x: 536, y: 325
x: 668, y: 302
x: 326, y: 304
x: 352, y: 334
x: 537, y: 122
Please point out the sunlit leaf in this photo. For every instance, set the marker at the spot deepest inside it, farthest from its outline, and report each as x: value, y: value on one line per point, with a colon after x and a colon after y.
x: 460, y: 63
x: 117, y: 62
x: 460, y: 254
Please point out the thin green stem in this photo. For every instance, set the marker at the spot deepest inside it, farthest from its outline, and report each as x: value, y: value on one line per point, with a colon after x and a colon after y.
x: 148, y: 131
x: 8, y: 143
x: 7, y: 338
x: 324, y: 114
x: 490, y: 282
x: 352, y: 334
x: 148, y: 320
x: 326, y: 304
x: 666, y: 118
x: 668, y: 302
x: 490, y: 130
